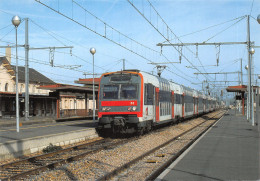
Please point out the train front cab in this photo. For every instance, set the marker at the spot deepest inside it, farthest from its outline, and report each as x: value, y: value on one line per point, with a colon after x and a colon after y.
x: 120, y: 101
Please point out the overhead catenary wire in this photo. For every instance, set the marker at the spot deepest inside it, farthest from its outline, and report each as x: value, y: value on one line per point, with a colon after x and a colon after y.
x: 72, y: 54
x: 104, y: 35
x: 198, y: 31
x: 251, y: 7
x: 6, y: 34
x: 225, y: 29
x: 54, y: 34
x: 80, y: 58
x: 240, y: 18
x: 10, y: 31
x: 181, y: 74
x: 6, y: 26
x: 6, y: 12
x: 37, y: 61
x: 168, y: 29
x: 47, y: 32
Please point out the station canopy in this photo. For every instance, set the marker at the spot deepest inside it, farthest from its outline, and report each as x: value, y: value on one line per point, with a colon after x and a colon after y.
x: 237, y: 88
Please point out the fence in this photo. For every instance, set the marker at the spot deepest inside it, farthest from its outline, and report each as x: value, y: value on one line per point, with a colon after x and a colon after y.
x: 75, y: 113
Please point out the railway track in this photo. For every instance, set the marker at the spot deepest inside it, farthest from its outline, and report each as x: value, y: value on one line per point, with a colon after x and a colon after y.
x: 128, y: 171
x: 33, y: 165
x: 97, y: 155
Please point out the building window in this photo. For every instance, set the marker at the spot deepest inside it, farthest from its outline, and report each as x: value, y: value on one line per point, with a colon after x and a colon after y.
x: 71, y: 104
x: 6, y: 87
x: 21, y: 88
x: 66, y: 104
x: 33, y: 89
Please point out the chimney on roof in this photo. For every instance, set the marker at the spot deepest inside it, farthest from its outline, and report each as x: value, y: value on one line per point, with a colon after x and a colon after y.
x: 8, y: 54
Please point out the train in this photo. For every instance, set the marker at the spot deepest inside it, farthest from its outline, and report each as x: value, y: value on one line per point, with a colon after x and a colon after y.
x: 133, y: 101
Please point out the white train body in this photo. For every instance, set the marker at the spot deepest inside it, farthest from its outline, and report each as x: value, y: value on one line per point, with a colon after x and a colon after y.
x: 132, y: 101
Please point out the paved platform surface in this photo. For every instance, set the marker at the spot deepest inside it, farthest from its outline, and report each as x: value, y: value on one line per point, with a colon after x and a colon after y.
x: 36, y: 134
x: 228, y: 151
x: 8, y: 122
x: 30, y: 131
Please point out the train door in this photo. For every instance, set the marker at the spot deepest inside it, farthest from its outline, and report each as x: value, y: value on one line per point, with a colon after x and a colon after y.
x: 183, y: 104
x: 194, y: 105
x: 203, y: 103
x: 197, y: 105
x: 157, y: 109
x: 172, y: 104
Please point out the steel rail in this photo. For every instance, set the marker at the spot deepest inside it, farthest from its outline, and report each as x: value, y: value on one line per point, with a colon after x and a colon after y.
x: 165, y: 165
x: 35, y: 161
x: 113, y: 173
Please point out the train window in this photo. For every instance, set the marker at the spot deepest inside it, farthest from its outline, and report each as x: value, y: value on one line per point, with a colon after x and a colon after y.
x: 148, y: 94
x: 165, y: 96
x: 128, y: 92
x: 110, y: 91
x: 163, y: 86
x: 177, y: 98
x: 119, y: 78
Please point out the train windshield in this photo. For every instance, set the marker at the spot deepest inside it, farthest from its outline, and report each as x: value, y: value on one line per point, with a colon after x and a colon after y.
x: 120, y: 91
x: 128, y: 92
x: 110, y: 91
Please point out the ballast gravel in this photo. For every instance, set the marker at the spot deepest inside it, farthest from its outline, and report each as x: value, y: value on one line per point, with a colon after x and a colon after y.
x: 96, y: 165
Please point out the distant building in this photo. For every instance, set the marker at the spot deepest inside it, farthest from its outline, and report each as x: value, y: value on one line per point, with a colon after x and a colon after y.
x: 88, y: 83
x: 41, y: 104
x: 46, y: 98
x: 71, y: 100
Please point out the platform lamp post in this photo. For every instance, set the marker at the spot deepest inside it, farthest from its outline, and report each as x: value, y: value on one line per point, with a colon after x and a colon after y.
x: 251, y: 52
x: 16, y: 22
x: 93, y: 51
x: 247, y: 100
x: 257, y: 103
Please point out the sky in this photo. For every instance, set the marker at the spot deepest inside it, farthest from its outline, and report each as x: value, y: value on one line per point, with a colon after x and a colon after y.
x: 131, y: 30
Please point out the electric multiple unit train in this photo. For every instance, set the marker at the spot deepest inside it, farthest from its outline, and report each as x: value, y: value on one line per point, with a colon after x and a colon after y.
x: 135, y: 101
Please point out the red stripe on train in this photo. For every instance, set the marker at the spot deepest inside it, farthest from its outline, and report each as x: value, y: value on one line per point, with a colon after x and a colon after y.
x: 100, y: 114
x: 119, y: 103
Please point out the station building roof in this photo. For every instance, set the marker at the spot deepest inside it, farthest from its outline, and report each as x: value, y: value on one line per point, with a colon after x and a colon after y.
x: 239, y: 88
x: 66, y: 87
x: 88, y: 81
x: 34, y: 76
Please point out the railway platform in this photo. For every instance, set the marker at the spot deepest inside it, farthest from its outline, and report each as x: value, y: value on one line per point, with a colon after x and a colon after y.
x: 9, y: 122
x: 228, y: 151
x: 36, y: 134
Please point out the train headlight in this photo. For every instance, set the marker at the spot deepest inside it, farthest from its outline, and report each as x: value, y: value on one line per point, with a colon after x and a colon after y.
x: 134, y: 108
x: 129, y: 108
x: 106, y: 108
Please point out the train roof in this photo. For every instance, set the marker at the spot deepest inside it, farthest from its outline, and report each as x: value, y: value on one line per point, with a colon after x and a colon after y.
x: 175, y: 86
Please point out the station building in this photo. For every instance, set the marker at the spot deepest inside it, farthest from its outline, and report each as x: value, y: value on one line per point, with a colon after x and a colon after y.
x: 41, y: 104
x: 46, y: 98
